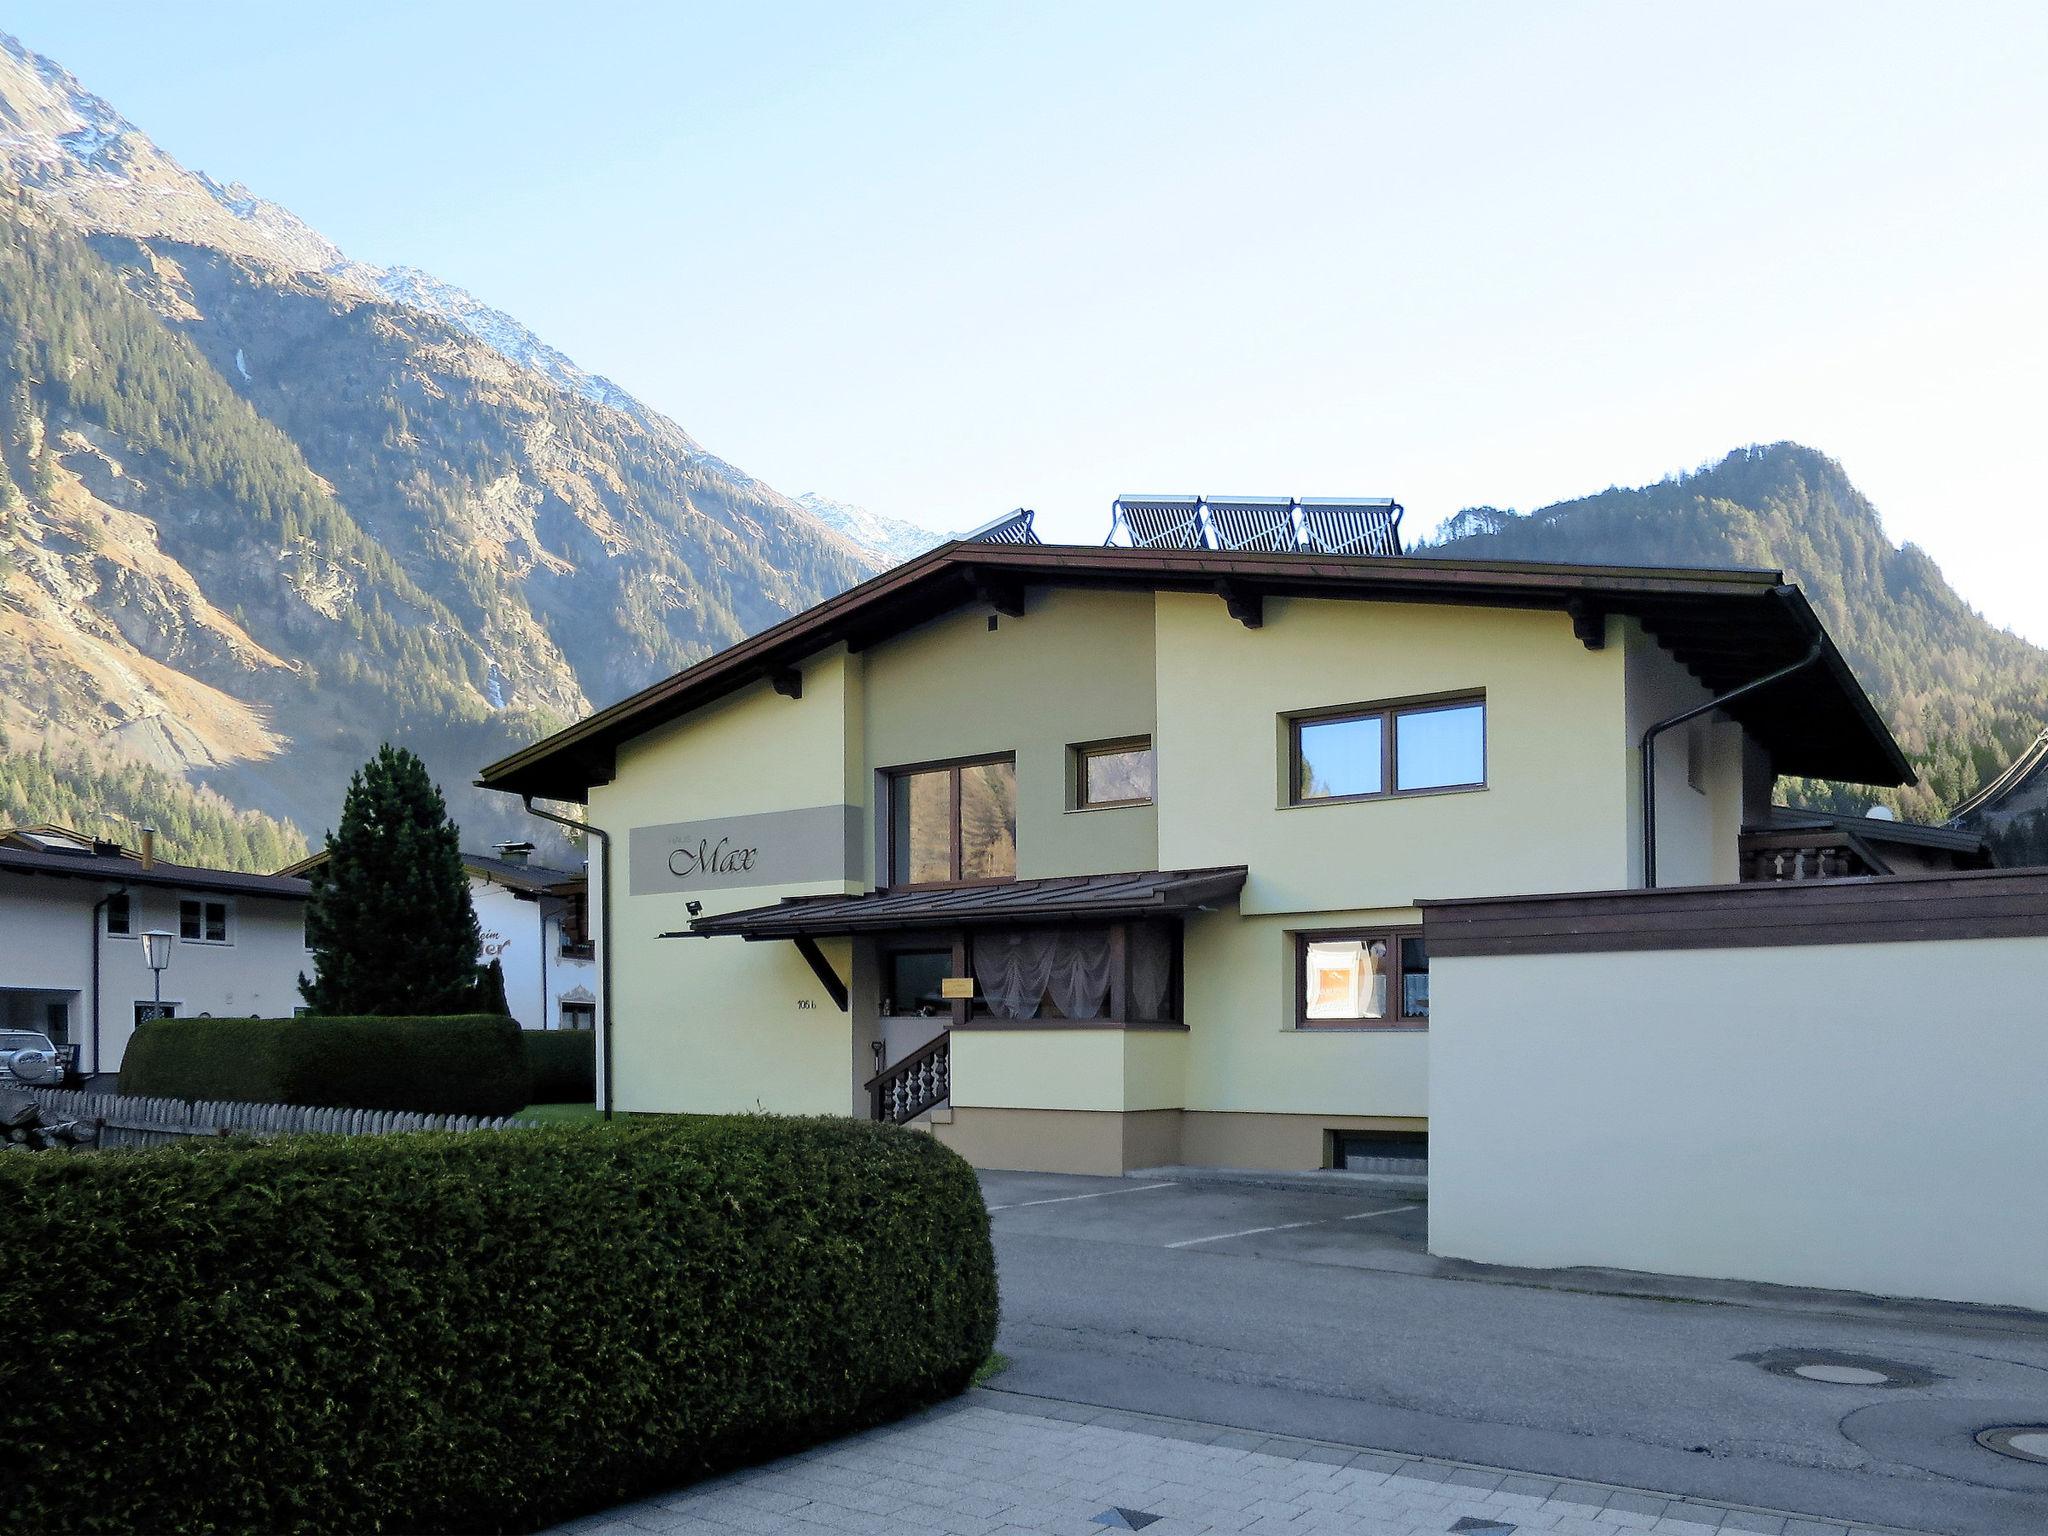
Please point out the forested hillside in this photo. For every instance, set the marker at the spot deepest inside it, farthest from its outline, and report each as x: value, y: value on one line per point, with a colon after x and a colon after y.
x: 250, y: 527
x: 114, y: 799
x: 1961, y: 695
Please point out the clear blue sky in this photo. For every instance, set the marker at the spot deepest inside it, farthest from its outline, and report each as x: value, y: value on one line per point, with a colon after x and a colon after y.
x: 944, y: 260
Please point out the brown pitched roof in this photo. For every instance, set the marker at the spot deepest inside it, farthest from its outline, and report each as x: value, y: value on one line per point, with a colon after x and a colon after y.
x: 1063, y: 898
x: 1726, y: 626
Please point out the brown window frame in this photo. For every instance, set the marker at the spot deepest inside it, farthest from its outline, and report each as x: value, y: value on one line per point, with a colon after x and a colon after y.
x: 1082, y: 751
x: 1396, y: 993
x: 1389, y: 715
x: 894, y: 777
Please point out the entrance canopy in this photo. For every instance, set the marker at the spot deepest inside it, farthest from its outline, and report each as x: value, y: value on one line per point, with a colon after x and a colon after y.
x: 1070, y: 898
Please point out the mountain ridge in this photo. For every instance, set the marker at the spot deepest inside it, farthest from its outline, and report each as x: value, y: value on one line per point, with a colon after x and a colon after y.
x: 1961, y: 694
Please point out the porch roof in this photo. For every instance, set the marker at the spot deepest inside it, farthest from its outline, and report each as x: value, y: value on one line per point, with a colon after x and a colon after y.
x: 1067, y: 898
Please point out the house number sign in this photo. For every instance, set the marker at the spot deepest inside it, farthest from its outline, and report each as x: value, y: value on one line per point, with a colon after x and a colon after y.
x: 797, y: 847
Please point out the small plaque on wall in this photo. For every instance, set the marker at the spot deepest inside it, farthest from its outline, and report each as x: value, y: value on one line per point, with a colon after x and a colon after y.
x: 957, y: 988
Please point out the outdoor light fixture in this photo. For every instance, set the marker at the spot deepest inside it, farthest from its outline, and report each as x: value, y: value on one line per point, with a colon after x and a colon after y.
x: 695, y: 908
x: 156, y: 950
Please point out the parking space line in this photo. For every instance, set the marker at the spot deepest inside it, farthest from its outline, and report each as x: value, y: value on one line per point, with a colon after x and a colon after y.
x: 1392, y: 1210
x: 1288, y: 1226
x: 1063, y: 1199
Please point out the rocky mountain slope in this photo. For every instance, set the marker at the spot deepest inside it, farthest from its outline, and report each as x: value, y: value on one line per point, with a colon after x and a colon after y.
x: 1961, y: 695
x: 265, y: 506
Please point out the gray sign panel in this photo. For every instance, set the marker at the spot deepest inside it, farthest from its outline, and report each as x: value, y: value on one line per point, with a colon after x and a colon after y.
x: 818, y: 842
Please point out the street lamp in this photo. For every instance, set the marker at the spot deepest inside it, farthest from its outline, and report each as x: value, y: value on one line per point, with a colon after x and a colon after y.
x: 156, y: 950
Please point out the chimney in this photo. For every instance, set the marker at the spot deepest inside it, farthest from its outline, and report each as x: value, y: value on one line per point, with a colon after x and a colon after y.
x: 515, y: 853
x: 149, y: 848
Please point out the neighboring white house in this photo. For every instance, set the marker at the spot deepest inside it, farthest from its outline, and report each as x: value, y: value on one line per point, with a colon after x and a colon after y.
x: 535, y: 924
x: 73, y: 910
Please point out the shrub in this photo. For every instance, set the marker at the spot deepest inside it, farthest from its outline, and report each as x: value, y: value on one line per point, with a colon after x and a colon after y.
x: 488, y: 1331
x: 564, y: 1063
x: 466, y: 1064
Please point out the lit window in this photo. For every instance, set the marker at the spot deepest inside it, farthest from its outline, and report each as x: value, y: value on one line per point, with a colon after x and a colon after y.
x: 1113, y: 773
x: 1398, y: 749
x: 1374, y: 979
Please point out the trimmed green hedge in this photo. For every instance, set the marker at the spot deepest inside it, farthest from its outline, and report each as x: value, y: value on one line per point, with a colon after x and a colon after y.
x: 564, y: 1063
x: 466, y: 1064
x: 488, y: 1331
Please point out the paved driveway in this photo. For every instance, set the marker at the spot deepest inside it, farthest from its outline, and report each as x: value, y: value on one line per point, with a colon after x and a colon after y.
x: 1321, y: 1315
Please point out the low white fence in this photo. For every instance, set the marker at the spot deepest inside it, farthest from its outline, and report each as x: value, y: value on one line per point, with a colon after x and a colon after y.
x: 127, y: 1121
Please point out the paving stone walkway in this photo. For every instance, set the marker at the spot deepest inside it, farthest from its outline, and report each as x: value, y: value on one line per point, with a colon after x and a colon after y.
x: 992, y: 1464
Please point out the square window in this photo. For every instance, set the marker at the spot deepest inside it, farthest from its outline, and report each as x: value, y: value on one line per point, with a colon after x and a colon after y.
x: 911, y: 982
x: 1335, y: 759
x: 953, y: 823
x: 1440, y: 748
x: 203, y: 922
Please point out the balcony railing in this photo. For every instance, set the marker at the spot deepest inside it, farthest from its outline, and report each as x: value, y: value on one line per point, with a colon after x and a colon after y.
x: 920, y: 1081
x: 1803, y: 856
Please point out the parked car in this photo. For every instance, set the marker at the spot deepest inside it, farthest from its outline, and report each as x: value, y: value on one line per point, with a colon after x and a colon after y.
x: 29, y: 1058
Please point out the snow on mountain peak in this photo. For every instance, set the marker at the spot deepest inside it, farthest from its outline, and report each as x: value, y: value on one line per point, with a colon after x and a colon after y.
x: 72, y: 150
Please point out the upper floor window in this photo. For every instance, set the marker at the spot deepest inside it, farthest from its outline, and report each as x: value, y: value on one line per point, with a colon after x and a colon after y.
x: 1388, y: 749
x: 120, y: 916
x: 203, y: 922
x: 1110, y: 773
x: 953, y: 823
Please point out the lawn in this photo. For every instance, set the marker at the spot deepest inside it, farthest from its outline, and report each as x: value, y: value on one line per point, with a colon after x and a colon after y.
x: 590, y: 1114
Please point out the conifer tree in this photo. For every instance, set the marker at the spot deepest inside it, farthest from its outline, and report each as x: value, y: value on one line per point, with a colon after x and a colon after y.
x: 390, y: 922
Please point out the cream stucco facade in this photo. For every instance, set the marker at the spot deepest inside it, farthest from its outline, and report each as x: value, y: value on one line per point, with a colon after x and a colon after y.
x: 722, y: 1023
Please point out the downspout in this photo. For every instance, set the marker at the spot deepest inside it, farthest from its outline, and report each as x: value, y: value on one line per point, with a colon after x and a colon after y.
x: 1649, y: 750
x: 604, y: 924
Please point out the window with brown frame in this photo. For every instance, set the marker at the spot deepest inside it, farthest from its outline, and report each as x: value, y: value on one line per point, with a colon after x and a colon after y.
x: 1387, y: 749
x: 953, y: 823
x: 1113, y: 773
x: 1361, y: 978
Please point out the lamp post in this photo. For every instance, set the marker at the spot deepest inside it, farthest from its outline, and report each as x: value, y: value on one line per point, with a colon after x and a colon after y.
x: 156, y: 950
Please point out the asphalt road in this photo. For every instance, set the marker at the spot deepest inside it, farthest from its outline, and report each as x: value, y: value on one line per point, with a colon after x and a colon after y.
x: 1317, y: 1314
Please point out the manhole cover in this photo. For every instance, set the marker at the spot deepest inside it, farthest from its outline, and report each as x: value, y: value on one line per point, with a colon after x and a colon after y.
x: 1842, y: 1375
x: 2026, y: 1442
x: 1831, y: 1367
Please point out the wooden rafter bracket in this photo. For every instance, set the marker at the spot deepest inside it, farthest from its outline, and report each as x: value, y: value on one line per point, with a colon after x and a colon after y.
x: 788, y: 682
x: 822, y: 969
x: 1004, y: 596
x: 1244, y: 604
x: 1589, y: 623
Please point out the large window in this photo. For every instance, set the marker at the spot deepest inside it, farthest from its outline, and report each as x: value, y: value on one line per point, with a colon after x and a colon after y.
x: 1112, y: 773
x: 1362, y: 979
x: 1388, y: 749
x: 954, y: 823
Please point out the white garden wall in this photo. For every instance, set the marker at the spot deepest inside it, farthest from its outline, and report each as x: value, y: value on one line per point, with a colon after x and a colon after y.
x: 1868, y: 1115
